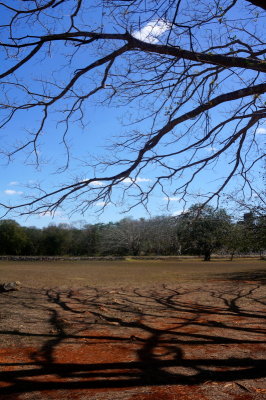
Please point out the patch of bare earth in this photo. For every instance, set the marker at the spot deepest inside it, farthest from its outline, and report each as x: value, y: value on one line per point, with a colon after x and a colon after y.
x: 189, y: 341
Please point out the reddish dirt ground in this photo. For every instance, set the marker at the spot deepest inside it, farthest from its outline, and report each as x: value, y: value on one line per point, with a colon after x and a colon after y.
x: 196, y: 340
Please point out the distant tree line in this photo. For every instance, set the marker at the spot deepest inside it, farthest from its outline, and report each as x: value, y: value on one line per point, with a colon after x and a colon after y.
x: 195, y: 232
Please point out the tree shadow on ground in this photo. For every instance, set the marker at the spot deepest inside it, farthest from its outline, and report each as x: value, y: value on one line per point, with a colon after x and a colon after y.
x: 258, y: 276
x: 103, y: 339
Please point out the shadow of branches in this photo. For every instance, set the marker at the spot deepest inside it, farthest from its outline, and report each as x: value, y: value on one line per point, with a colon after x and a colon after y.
x: 97, y: 338
x: 258, y: 276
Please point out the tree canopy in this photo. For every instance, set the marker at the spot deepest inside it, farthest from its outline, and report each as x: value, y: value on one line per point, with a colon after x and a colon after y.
x: 191, y: 71
x: 204, y: 230
x: 195, y: 232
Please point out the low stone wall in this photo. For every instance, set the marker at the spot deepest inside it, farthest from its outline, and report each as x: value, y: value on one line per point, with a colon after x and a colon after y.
x: 56, y: 258
x: 106, y: 258
x: 117, y: 258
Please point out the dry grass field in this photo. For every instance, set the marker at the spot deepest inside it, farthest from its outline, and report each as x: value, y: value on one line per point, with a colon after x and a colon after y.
x: 133, y: 330
x: 130, y: 272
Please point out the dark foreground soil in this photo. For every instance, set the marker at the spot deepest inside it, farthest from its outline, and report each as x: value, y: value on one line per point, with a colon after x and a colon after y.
x: 189, y: 339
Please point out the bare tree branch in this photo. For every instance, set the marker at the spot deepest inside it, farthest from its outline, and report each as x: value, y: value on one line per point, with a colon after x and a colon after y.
x: 192, y: 72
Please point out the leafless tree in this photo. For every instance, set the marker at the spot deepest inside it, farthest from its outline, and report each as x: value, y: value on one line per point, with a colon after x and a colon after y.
x: 123, y: 237
x: 193, y: 70
x: 161, y: 236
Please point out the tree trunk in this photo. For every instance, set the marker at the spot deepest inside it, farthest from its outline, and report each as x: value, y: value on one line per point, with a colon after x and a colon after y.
x: 207, y: 255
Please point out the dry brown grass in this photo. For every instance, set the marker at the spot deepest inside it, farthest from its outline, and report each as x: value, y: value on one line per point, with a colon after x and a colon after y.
x: 121, y: 273
x: 133, y: 330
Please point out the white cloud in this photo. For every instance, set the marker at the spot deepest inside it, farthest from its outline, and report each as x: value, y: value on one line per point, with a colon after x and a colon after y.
x: 151, y: 32
x: 51, y: 214
x: 210, y: 149
x: 13, y: 183
x: 101, y: 204
x: 95, y: 183
x: 178, y: 212
x: 127, y: 180
x: 171, y: 198
x: 261, y: 131
x: 11, y: 192
x: 143, y: 180
x: 137, y: 180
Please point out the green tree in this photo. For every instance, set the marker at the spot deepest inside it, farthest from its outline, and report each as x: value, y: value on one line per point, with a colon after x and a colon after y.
x: 237, y: 240
x: 34, y: 241
x: 203, y: 230
x: 13, y: 238
x: 55, y: 241
x: 255, y: 231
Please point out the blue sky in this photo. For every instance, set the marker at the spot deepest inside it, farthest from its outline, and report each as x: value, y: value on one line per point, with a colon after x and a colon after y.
x: 17, y: 176
x: 103, y: 122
